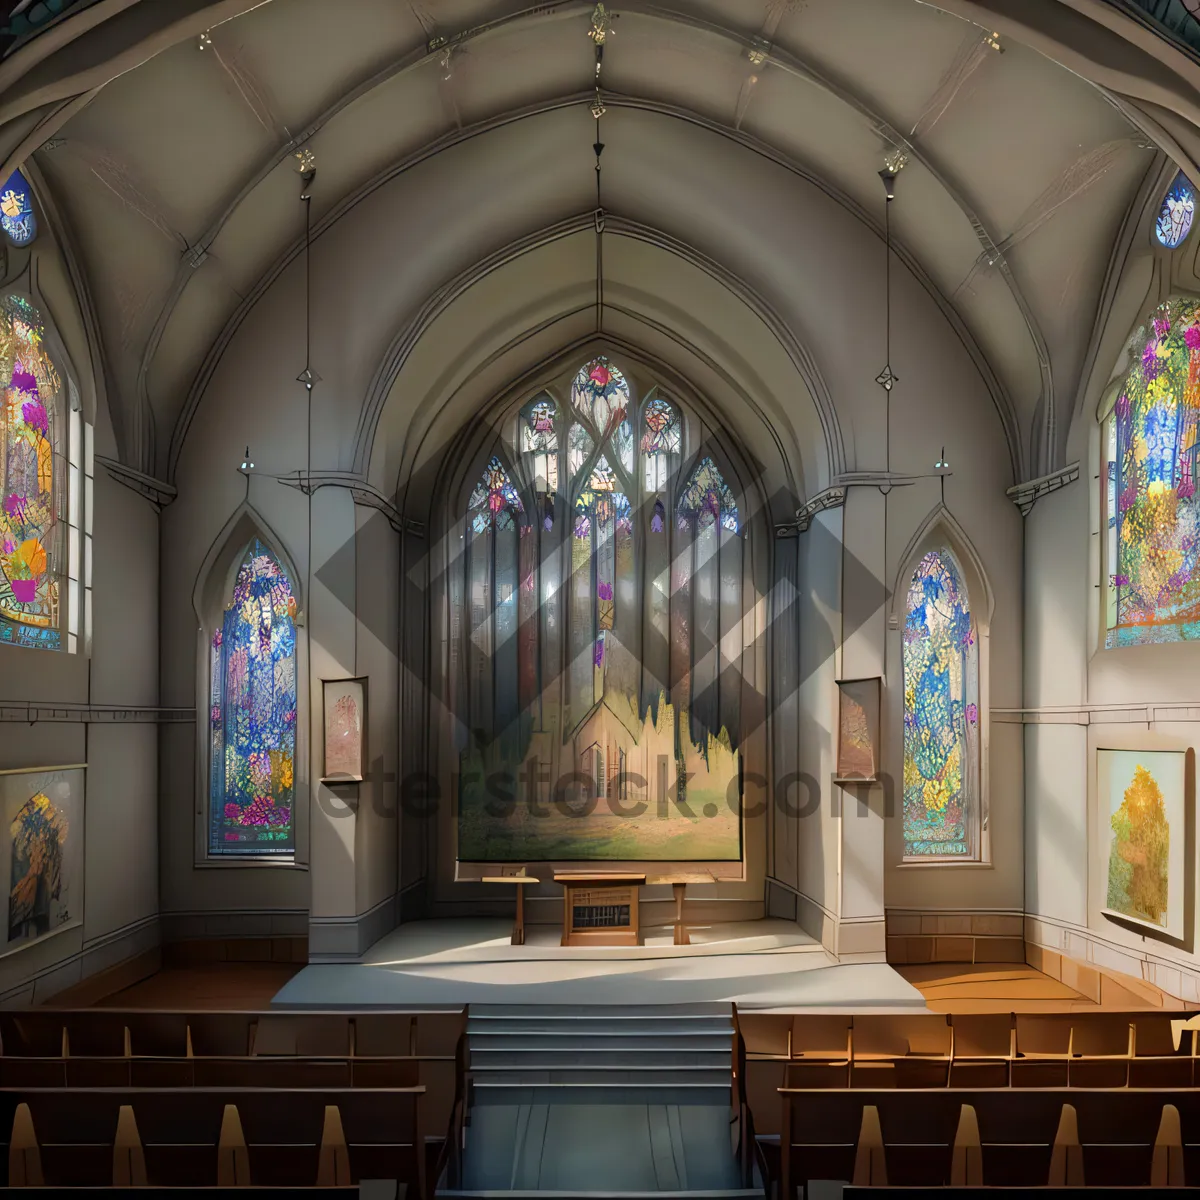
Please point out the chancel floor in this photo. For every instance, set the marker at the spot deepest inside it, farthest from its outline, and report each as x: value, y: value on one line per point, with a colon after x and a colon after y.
x: 762, y: 964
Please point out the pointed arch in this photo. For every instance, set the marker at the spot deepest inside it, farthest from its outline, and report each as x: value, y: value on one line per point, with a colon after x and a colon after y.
x: 943, y: 605
x: 940, y: 525
x: 250, y: 667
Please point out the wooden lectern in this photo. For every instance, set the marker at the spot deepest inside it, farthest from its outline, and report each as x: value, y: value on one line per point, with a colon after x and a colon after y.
x: 600, y: 910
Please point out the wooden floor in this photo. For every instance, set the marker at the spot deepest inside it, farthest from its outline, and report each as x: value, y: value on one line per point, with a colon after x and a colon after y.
x: 967, y: 988
x: 228, y: 986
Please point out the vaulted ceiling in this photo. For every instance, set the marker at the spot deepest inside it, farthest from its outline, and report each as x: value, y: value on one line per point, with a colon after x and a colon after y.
x: 164, y: 132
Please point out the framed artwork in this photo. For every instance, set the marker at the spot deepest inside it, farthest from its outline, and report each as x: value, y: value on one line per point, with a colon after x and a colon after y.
x: 42, y: 864
x: 345, y: 730
x: 1146, y: 800
x: 858, y: 730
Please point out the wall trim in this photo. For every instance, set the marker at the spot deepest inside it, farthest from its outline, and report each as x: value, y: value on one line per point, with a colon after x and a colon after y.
x: 347, y: 939
x: 364, y: 494
x: 186, y: 925
x: 159, y: 493
x: 96, y: 954
x: 1175, y: 978
x: 1099, y: 714
x: 30, y: 712
x: 964, y: 935
x: 1026, y: 495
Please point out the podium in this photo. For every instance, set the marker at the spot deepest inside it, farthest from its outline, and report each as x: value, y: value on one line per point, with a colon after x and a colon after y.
x: 600, y: 910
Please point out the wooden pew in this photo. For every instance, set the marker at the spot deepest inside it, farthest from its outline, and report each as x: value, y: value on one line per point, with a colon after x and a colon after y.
x: 821, y: 1051
x: 900, y: 1051
x: 1101, y: 1050
x: 1043, y: 1050
x: 983, y: 1046
x: 197, y: 1137
x: 1011, y: 1138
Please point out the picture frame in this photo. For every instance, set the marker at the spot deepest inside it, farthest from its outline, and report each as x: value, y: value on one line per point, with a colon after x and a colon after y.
x: 42, y: 864
x: 1147, y: 880
x: 344, y: 709
x: 858, y: 730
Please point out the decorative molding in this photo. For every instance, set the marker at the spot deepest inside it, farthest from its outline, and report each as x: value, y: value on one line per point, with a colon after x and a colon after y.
x: 31, y: 712
x: 885, y: 480
x: 363, y: 493
x: 1025, y: 495
x: 347, y: 939
x: 1099, y: 714
x: 831, y: 497
x: 158, y: 492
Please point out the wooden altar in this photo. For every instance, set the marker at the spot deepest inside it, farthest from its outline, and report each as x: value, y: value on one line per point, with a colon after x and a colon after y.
x: 600, y: 910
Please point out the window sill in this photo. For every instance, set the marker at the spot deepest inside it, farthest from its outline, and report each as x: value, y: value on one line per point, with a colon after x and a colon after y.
x: 273, y: 862
x: 944, y: 864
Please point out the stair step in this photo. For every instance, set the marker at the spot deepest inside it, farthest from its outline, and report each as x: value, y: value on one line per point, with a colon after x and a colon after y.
x: 540, y: 1057
x: 535, y: 1042
x: 659, y: 1012
x: 578, y: 1027
x: 618, y: 1077
x: 627, y: 1092
x: 570, y: 1060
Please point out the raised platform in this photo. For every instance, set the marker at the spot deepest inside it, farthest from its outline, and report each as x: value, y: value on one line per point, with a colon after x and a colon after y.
x: 768, y: 964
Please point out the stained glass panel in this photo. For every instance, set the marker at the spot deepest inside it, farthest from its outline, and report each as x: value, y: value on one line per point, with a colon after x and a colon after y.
x: 16, y: 210
x: 1154, y: 513
x: 601, y: 393
x: 579, y: 448
x: 707, y: 498
x: 941, y: 713
x: 539, y: 440
x: 662, y: 433
x: 538, y: 432
x: 495, y: 499
x: 1177, y: 213
x: 253, y: 717
x: 33, y: 482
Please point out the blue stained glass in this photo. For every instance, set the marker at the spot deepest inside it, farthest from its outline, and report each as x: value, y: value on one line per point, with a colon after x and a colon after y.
x: 941, y: 712
x: 16, y: 210
x: 253, y: 717
x: 1177, y: 213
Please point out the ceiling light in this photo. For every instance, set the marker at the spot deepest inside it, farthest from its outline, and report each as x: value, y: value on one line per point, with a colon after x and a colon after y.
x: 247, y: 464
x: 942, y: 464
x: 205, y: 40
x: 308, y: 377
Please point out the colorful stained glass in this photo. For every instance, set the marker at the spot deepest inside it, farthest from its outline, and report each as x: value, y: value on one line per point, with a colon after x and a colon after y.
x: 494, y: 499
x: 538, y: 431
x: 1177, y: 213
x: 662, y: 431
x: 661, y: 439
x: 253, y: 717
x: 707, y: 498
x: 32, y: 483
x: 579, y: 448
x: 941, y: 713
x: 601, y: 394
x: 16, y: 210
x: 622, y: 441
x: 1153, y: 542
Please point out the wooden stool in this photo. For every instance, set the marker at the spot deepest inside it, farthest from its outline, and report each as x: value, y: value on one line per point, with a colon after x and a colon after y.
x: 518, y: 933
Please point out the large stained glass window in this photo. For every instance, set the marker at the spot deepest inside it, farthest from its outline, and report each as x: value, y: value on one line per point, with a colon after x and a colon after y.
x: 1152, y: 511
x: 45, y: 491
x: 1177, y: 213
x: 594, y: 636
x: 941, y: 714
x: 253, y: 717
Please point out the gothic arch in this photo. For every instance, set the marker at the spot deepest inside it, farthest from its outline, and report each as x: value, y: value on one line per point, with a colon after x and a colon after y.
x: 210, y: 599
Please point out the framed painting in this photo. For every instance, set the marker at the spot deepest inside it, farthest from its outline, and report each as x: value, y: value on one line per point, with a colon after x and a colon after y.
x: 858, y: 730
x: 42, y: 865
x: 1146, y: 801
x: 345, y: 730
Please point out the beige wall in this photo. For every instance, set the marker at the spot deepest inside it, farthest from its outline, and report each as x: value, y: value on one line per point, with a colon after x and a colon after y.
x: 121, y: 828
